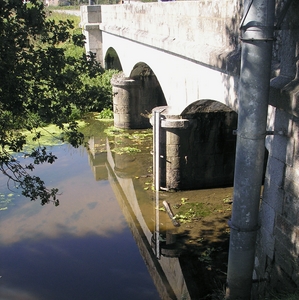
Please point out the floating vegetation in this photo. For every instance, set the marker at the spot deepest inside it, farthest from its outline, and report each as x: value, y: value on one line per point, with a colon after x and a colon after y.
x: 140, y: 136
x: 132, y: 135
x: 228, y: 200
x: 122, y: 150
x: 188, y: 211
x: 128, y: 141
x: 112, y: 131
x: 149, y: 186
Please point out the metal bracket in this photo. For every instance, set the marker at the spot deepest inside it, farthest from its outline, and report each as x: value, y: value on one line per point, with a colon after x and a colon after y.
x: 257, y: 40
x: 273, y: 132
x: 232, y: 226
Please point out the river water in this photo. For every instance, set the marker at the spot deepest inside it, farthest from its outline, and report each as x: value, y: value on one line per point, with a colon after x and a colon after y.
x: 99, y: 242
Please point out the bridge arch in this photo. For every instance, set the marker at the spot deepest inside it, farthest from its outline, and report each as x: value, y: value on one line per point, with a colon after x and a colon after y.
x: 182, y: 80
x: 135, y: 96
x: 112, y: 60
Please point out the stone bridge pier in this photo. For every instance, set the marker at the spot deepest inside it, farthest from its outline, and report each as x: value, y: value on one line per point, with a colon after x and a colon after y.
x: 134, y: 97
x: 197, y: 148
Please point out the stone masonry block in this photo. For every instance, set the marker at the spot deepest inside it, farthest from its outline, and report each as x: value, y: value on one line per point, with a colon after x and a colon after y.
x: 280, y: 279
x: 295, y: 275
x: 173, y: 150
x: 292, y: 172
x: 281, y: 142
x: 179, y: 123
x: 94, y: 13
x: 291, y: 209
x: 292, y: 187
x: 273, y: 195
x: 173, y: 162
x: 172, y: 138
x: 283, y: 121
x: 266, y: 242
x: 289, y: 229
x: 283, y: 256
x: 278, y: 147
x: 295, y: 136
x: 267, y: 217
x: 275, y: 171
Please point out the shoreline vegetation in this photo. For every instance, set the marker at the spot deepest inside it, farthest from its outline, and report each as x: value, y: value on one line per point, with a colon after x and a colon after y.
x: 47, y: 79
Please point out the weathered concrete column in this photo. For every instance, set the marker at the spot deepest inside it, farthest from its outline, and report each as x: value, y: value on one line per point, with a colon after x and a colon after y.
x: 176, y: 137
x: 125, y: 103
x: 132, y: 101
x: 171, y: 138
x: 197, y: 151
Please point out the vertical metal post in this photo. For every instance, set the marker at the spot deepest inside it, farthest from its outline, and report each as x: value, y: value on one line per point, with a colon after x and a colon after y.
x: 157, y: 122
x: 156, y: 169
x: 257, y: 35
x: 157, y: 226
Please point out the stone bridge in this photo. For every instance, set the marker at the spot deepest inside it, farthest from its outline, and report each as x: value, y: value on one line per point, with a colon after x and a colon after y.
x: 180, y: 47
x: 190, y: 62
x: 163, y: 65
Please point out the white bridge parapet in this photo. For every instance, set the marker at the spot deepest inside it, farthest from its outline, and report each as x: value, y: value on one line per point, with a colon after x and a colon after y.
x: 192, y: 46
x: 190, y: 29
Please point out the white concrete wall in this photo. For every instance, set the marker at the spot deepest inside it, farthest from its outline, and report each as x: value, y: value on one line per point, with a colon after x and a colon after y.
x: 182, y: 80
x: 193, y: 29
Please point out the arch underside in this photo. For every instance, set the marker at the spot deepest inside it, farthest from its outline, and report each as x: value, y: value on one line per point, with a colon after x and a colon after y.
x: 182, y: 81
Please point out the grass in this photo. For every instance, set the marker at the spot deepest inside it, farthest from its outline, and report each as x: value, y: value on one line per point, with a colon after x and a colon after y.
x: 70, y: 49
x: 50, y: 135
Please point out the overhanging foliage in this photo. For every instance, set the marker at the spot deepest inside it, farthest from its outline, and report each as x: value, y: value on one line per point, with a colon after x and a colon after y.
x: 41, y: 84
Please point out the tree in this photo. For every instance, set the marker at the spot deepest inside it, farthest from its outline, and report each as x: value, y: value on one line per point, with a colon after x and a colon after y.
x: 39, y: 84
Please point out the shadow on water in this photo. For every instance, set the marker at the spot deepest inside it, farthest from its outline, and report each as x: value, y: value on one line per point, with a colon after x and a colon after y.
x: 86, y: 247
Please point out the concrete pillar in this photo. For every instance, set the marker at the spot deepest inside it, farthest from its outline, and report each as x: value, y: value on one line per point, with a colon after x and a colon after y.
x: 133, y: 99
x: 126, y: 103
x: 90, y: 23
x: 196, y: 152
x: 175, y: 137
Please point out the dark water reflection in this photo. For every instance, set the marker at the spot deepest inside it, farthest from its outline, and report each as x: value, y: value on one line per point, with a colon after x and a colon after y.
x: 82, y: 249
x: 99, y: 243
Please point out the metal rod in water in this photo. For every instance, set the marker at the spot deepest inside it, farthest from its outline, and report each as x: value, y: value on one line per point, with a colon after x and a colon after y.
x: 156, y: 150
x: 157, y: 226
x: 157, y: 117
